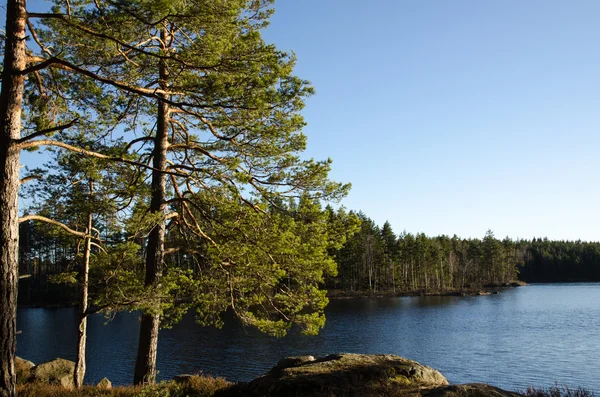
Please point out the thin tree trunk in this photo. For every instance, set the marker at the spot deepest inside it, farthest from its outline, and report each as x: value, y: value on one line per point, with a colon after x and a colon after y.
x: 83, y: 305
x: 11, y: 99
x: 145, y: 366
x: 394, y: 277
x: 441, y: 275
x: 412, y: 274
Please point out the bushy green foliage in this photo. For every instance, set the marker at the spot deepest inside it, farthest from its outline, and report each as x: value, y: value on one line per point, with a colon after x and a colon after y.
x: 266, y: 263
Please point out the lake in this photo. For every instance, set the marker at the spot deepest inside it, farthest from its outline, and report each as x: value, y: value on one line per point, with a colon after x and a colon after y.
x: 533, y: 335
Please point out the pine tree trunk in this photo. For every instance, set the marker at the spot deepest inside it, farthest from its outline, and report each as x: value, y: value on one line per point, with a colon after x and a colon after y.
x: 83, y: 306
x: 11, y: 99
x: 441, y: 275
x: 145, y: 366
x: 394, y: 278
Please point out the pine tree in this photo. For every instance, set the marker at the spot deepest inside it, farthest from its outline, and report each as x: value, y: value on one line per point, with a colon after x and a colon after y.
x: 390, y: 254
x: 77, y: 192
x: 221, y: 107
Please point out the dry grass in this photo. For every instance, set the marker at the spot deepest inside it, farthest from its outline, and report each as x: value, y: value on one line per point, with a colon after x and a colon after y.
x: 197, y: 386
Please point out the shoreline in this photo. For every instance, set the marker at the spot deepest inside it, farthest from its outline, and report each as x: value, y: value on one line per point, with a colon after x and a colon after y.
x: 342, y: 374
x: 486, y: 289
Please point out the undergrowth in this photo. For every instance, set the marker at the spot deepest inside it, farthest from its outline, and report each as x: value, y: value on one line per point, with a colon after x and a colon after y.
x: 196, y: 386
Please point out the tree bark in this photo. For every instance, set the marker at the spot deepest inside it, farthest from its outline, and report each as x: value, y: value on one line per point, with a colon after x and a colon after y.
x: 145, y: 366
x: 11, y: 99
x: 83, y: 305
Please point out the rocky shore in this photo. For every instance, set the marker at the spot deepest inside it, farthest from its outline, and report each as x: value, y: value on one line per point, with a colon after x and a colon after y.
x: 359, y: 375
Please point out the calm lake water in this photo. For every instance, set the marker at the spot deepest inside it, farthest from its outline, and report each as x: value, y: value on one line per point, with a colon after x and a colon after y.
x: 534, y: 335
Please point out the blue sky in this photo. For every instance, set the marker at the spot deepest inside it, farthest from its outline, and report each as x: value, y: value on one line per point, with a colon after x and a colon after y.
x: 455, y: 116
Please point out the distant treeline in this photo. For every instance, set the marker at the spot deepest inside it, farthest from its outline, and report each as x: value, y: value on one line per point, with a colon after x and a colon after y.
x: 374, y: 259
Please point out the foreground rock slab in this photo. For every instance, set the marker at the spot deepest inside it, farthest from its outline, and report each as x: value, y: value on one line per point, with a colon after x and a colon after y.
x: 344, y: 375
x: 357, y: 375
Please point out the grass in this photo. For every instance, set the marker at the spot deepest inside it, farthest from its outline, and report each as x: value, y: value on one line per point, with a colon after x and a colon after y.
x: 196, y: 386
x: 206, y: 386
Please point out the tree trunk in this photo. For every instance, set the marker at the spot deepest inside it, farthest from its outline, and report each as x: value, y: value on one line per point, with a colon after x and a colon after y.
x: 145, y: 366
x: 83, y: 306
x: 394, y: 277
x: 441, y: 275
x: 11, y: 98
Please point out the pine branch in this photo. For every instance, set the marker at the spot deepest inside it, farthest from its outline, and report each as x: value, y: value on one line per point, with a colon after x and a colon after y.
x: 46, y: 131
x: 30, y: 178
x: 154, y: 93
x: 49, y: 142
x: 62, y: 64
x: 86, y: 29
x: 36, y: 38
x: 52, y: 222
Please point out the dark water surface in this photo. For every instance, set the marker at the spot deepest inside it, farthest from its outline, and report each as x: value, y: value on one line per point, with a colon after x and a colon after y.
x: 534, y: 335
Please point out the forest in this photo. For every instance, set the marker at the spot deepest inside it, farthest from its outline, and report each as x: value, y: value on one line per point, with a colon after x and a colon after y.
x: 376, y: 259
x: 373, y: 260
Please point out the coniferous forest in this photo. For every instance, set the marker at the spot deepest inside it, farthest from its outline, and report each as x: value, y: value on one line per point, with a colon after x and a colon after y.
x: 377, y: 259
x: 373, y: 259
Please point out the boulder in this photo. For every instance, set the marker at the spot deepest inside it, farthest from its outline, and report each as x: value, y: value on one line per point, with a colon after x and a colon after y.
x: 343, y: 375
x: 104, y: 384
x: 58, y: 371
x: 23, y: 368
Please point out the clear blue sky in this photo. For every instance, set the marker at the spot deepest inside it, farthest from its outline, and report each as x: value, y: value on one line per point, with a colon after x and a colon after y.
x: 456, y: 116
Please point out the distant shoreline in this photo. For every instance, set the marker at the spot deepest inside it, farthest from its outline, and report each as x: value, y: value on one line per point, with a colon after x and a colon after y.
x: 487, y: 289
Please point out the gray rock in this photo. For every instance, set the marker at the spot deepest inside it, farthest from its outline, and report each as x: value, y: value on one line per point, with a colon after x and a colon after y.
x: 104, y: 384
x: 58, y: 371
x: 343, y: 375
